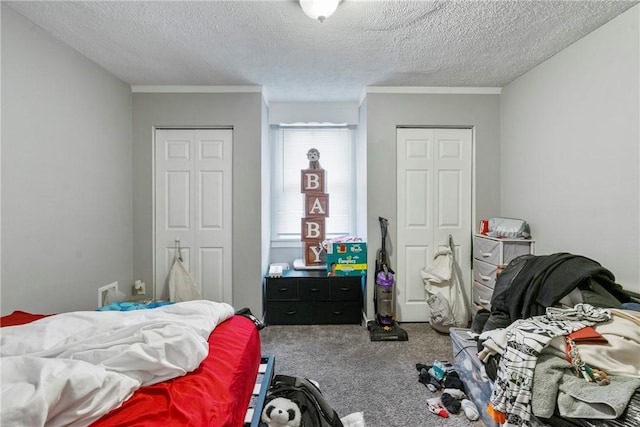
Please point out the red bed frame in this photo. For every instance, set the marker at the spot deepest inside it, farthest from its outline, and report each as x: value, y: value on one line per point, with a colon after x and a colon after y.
x: 216, y: 394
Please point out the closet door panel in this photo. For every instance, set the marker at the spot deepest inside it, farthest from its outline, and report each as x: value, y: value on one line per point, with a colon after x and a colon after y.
x: 434, y: 193
x: 193, y: 201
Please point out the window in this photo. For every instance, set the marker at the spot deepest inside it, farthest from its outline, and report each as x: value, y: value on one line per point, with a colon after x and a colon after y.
x: 336, y: 146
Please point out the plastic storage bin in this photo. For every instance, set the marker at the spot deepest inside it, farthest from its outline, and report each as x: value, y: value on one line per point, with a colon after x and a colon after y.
x: 470, y: 368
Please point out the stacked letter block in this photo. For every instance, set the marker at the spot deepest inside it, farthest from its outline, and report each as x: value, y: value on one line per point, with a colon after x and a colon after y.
x: 316, y: 209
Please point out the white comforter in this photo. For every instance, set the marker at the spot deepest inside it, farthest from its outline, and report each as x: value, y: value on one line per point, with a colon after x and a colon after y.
x: 72, y: 368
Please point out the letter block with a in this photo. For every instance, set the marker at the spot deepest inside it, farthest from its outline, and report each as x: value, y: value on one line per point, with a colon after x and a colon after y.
x: 316, y: 205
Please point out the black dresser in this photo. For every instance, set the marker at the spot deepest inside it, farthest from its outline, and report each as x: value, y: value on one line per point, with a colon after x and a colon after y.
x: 310, y: 297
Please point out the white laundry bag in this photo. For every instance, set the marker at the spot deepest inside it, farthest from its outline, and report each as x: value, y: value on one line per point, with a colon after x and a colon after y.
x: 180, y: 283
x: 444, y: 294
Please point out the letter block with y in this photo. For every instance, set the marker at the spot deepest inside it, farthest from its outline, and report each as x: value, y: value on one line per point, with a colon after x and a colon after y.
x: 313, y: 253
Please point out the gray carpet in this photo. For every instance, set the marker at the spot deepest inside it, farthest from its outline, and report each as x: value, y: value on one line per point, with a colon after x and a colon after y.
x: 355, y: 374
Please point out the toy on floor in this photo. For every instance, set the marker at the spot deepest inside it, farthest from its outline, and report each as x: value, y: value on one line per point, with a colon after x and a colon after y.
x: 298, y: 402
x: 281, y: 412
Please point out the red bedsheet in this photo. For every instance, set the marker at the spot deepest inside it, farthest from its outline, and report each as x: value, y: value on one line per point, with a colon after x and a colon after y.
x: 216, y: 394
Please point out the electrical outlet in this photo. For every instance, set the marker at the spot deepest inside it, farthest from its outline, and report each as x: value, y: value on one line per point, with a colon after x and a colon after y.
x: 138, y: 288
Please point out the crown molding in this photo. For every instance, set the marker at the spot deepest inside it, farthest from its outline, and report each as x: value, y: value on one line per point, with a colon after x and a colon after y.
x: 435, y: 90
x: 194, y: 89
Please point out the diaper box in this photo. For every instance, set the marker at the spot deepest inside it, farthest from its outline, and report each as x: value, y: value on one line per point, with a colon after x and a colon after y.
x: 347, y: 259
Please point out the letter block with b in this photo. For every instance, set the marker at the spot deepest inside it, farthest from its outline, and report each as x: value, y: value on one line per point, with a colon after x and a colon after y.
x: 312, y: 181
x: 313, y: 229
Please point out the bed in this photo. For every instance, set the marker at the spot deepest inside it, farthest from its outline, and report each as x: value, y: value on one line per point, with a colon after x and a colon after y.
x: 226, y: 388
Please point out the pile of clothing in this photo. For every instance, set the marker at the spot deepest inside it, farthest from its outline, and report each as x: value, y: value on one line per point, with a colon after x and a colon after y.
x: 531, y: 283
x: 573, y: 341
x: 441, y: 376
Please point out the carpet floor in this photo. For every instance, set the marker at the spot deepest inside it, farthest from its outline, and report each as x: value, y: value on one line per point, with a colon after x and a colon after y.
x: 355, y: 374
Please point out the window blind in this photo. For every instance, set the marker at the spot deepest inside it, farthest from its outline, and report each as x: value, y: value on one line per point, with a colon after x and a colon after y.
x: 336, y: 147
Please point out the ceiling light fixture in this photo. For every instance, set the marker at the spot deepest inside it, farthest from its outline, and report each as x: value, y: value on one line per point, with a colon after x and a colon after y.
x: 319, y: 9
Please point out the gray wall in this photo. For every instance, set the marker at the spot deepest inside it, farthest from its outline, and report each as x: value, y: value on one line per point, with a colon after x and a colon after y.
x: 66, y: 174
x: 387, y: 111
x: 361, y: 171
x: 243, y: 112
x: 570, y: 149
x: 266, y: 193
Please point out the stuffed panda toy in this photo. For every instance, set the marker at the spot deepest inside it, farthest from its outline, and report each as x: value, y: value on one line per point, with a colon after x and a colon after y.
x: 281, y: 412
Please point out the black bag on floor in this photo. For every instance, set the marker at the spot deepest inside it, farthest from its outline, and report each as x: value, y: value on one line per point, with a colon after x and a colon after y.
x: 314, y: 410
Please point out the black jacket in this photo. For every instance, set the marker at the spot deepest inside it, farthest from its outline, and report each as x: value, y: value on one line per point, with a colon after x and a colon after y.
x: 532, y: 283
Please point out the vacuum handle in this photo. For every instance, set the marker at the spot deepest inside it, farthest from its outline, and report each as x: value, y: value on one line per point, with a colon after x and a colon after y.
x: 383, y: 231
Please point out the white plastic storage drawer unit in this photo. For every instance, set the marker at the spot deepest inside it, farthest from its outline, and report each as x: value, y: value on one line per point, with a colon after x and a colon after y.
x: 500, y: 252
x: 490, y: 256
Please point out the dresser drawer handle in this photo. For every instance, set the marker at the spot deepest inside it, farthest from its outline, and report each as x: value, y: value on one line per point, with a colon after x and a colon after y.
x: 338, y: 313
x: 486, y: 254
x: 283, y: 289
x: 314, y: 290
x: 485, y: 278
x: 291, y: 313
x: 345, y: 289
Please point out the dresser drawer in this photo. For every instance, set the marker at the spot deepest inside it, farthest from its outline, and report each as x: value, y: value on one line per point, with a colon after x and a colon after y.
x: 289, y: 313
x: 485, y: 273
x: 500, y: 251
x: 312, y: 297
x: 313, y: 290
x: 486, y: 250
x: 337, y: 312
x: 345, y: 289
x: 482, y: 295
x: 282, y: 289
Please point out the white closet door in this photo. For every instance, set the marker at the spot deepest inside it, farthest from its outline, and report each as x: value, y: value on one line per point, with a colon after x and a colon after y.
x: 434, y: 201
x: 193, y: 198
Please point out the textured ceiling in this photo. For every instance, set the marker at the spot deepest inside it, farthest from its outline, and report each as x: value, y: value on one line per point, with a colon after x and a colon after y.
x: 294, y: 58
